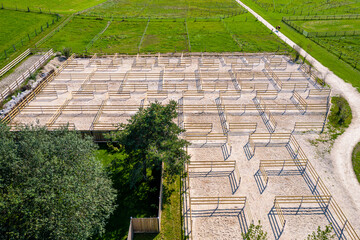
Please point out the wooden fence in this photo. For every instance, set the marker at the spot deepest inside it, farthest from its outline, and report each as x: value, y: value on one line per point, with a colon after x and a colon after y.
x: 17, y: 109
x: 25, y: 75
x: 15, y: 62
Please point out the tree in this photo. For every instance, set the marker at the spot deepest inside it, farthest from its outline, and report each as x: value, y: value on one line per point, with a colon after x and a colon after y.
x: 255, y: 232
x: 150, y: 138
x: 51, y: 185
x: 325, y: 234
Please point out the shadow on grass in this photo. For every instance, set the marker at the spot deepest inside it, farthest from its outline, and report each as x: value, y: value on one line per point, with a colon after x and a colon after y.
x: 140, y: 201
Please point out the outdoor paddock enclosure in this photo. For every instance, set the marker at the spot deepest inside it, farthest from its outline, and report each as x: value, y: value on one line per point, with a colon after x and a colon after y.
x: 240, y: 112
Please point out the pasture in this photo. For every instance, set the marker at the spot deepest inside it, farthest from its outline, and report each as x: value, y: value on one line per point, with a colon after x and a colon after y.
x: 168, y: 9
x: 58, y: 6
x: 18, y: 28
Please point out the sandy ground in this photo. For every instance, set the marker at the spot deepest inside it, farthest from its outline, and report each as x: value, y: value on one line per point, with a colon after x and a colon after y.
x: 5, y: 82
x: 243, y: 180
x: 337, y: 166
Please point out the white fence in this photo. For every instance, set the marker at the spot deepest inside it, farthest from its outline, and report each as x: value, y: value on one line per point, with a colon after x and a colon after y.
x: 14, y: 62
x: 25, y: 75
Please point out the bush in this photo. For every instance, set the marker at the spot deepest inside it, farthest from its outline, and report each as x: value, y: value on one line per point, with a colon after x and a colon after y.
x: 255, y: 232
x: 340, y: 113
x: 322, y: 234
x: 67, y: 52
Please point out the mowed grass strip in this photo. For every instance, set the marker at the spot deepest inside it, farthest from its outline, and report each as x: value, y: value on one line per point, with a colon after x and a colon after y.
x: 165, y: 36
x: 330, y: 25
x: 17, y: 25
x: 76, y: 34
x: 120, y: 37
x: 210, y: 37
x: 58, y: 6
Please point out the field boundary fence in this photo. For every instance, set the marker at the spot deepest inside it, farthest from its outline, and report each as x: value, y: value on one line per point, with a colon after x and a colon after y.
x: 25, y: 40
x: 17, y: 83
x: 289, y: 21
x: 14, y: 62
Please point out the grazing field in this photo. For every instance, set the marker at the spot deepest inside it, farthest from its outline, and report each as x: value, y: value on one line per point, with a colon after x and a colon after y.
x: 120, y: 37
x: 240, y: 33
x: 310, y: 7
x: 166, y: 9
x: 58, y: 6
x: 330, y: 25
x: 15, y: 27
x: 345, y: 47
x: 76, y: 35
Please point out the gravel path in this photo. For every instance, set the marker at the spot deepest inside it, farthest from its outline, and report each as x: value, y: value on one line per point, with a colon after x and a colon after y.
x: 5, y: 82
x: 344, y: 144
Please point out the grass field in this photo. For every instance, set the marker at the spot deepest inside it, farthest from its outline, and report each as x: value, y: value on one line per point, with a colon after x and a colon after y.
x: 15, y: 26
x: 302, y: 7
x: 239, y: 33
x: 168, y: 9
x: 330, y: 25
x: 58, y: 6
x: 76, y: 35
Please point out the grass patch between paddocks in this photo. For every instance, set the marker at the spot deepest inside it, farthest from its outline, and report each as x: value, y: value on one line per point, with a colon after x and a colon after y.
x: 356, y: 161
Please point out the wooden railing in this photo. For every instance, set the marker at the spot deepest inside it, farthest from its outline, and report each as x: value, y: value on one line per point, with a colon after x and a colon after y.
x: 14, y: 62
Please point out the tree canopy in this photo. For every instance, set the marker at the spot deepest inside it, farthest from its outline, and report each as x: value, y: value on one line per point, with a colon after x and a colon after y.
x: 51, y: 185
x: 150, y: 138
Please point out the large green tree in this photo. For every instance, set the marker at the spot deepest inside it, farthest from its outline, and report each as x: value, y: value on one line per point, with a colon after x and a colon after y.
x: 51, y: 186
x: 150, y: 138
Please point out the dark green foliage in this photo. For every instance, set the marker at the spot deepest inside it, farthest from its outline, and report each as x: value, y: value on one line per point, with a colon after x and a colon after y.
x: 340, y: 113
x: 325, y: 234
x: 150, y: 138
x: 141, y: 201
x: 356, y: 161
x: 51, y: 185
x: 255, y: 232
x: 67, y: 52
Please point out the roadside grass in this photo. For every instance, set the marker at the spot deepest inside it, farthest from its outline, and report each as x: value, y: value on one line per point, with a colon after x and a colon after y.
x: 339, y: 67
x: 168, y: 9
x: 356, y: 161
x: 76, y: 34
x: 165, y: 36
x: 329, y: 25
x: 120, y: 37
x: 138, y: 202
x: 16, y: 26
x: 58, y: 6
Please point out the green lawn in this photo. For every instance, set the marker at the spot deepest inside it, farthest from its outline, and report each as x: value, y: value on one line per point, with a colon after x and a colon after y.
x: 58, y: 6
x: 15, y: 26
x: 210, y: 37
x: 303, y: 7
x: 76, y: 35
x: 120, y: 37
x: 356, y: 161
x: 329, y: 25
x: 165, y: 37
x: 168, y: 9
